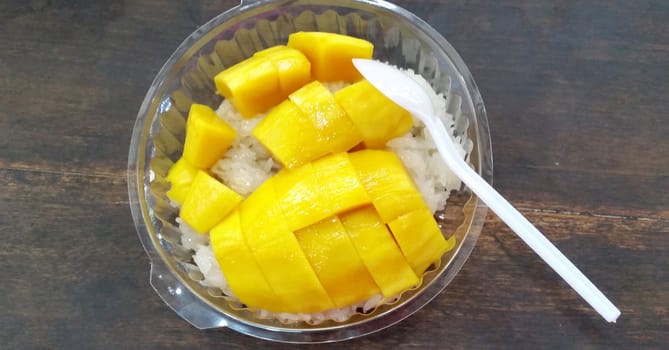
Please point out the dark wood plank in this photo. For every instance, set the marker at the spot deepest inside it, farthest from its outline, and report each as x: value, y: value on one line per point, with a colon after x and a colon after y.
x: 76, y: 72
x: 86, y: 280
x: 576, y: 96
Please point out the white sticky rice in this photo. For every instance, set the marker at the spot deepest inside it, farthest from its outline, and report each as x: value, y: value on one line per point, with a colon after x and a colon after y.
x: 247, y: 164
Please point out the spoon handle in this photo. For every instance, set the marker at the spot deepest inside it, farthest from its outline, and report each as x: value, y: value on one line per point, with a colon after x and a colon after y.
x: 519, y: 224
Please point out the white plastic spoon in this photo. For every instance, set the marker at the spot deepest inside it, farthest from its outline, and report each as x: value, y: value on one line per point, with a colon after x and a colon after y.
x: 402, y: 89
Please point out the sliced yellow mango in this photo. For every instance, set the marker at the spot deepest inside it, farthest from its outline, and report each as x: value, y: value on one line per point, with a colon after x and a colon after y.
x: 334, y: 126
x: 378, y: 118
x: 420, y: 239
x: 333, y: 257
x: 270, y: 51
x: 260, y: 210
x: 207, y: 137
x: 180, y: 176
x: 279, y: 255
x: 293, y: 67
x: 387, y: 182
x: 290, y: 136
x: 208, y: 202
x: 252, y: 86
x: 240, y: 268
x: 378, y: 251
x: 298, y: 194
x: 339, y: 183
x: 330, y: 54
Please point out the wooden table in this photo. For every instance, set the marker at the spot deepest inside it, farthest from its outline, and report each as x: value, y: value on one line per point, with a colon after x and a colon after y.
x: 577, y: 99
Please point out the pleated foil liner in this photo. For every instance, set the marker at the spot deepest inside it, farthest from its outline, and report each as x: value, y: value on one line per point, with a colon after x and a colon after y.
x: 167, y: 134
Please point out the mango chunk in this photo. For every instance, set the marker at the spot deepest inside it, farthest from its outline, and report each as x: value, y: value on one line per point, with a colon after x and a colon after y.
x: 378, y: 251
x: 252, y: 86
x: 307, y: 126
x: 420, y: 239
x: 377, y: 117
x: 299, y: 196
x: 334, y: 126
x: 208, y: 202
x: 260, y: 210
x: 280, y: 256
x: 180, y: 176
x: 333, y: 257
x: 270, y: 51
x: 387, y: 182
x: 339, y: 183
x: 290, y: 136
x: 207, y: 137
x: 331, y: 54
x: 293, y: 67
x: 240, y: 268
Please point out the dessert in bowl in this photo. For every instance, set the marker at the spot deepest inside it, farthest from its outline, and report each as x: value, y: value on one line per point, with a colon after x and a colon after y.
x: 180, y: 271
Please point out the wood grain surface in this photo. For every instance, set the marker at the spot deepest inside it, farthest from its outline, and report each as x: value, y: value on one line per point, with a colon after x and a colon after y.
x: 576, y: 93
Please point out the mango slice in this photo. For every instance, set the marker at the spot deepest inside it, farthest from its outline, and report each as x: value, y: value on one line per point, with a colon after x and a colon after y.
x: 260, y: 210
x: 207, y: 137
x: 290, y: 136
x: 339, y: 183
x: 334, y: 126
x: 299, y: 195
x: 180, y: 176
x: 420, y: 239
x: 387, y: 182
x: 293, y: 67
x: 208, y: 202
x: 378, y: 118
x: 240, y: 268
x: 279, y: 254
x: 307, y: 126
x: 378, y: 251
x: 262, y: 81
x: 252, y: 86
x: 333, y: 257
x: 330, y: 54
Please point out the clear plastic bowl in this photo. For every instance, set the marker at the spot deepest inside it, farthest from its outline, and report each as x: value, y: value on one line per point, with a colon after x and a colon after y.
x: 400, y: 38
